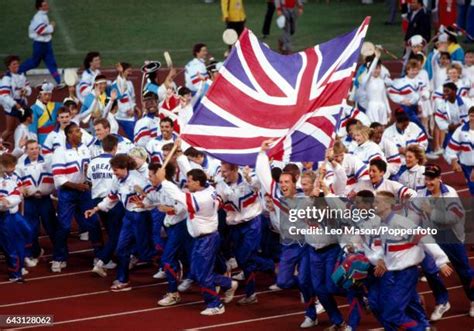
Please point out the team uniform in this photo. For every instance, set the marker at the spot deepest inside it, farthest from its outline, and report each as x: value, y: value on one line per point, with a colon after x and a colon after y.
x: 448, y: 113
x: 41, y: 31
x: 413, y: 134
x: 86, y: 83
x: 9, y: 190
x: 123, y: 147
x: 57, y: 138
x: 178, y: 241
x: 194, y: 72
x: 69, y: 165
x: 450, y: 219
x: 294, y: 250
x: 126, y: 104
x: 100, y: 174
x: 135, y: 235
x: 37, y: 181
x: 402, y: 256
x: 22, y: 131
x: 355, y: 170
x: 99, y: 106
x: 154, y: 147
x: 461, y: 147
x: 243, y: 209
x: 368, y: 151
x: 44, y: 119
x: 399, y: 190
x: 202, y: 226
x: 412, y: 90
x: 146, y: 128
x: 14, y: 88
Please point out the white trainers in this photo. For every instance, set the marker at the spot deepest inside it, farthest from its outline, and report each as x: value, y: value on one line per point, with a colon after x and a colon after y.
x: 229, y: 294
x: 185, y: 285
x: 231, y: 264
x: 432, y: 156
x: 57, y: 266
x: 31, y: 262
x: 239, y: 276
x: 308, y: 323
x: 160, y: 274
x: 213, y: 311
x: 248, y: 300
x: 99, y: 269
x: 439, y: 311
x: 439, y: 151
x: 133, y: 262
x: 84, y: 236
x: 118, y: 286
x: 319, y: 308
x: 170, y: 299
x: 471, y: 311
x: 24, y: 272
x: 274, y: 287
x: 110, y: 265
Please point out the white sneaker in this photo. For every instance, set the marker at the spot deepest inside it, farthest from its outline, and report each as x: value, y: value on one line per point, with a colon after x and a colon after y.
x: 229, y: 294
x: 170, y: 299
x: 274, y: 287
x: 231, y: 264
x: 439, y: 311
x: 84, y: 236
x: 57, y: 266
x: 471, y: 311
x: 432, y: 156
x: 99, y: 269
x: 160, y: 274
x: 185, y: 285
x: 319, y: 308
x: 439, y: 151
x: 133, y: 262
x: 213, y: 311
x: 248, y: 300
x: 239, y: 276
x: 24, y: 272
x: 308, y: 323
x: 111, y: 265
x: 31, y: 262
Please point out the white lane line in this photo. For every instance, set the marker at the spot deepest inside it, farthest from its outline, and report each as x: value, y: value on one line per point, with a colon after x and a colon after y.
x: 298, y: 313
x: 53, y: 276
x: 80, y: 295
x: 125, y: 313
x: 62, y: 27
x: 71, y: 253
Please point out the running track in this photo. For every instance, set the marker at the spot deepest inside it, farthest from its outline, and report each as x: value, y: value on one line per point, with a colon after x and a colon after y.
x: 80, y: 300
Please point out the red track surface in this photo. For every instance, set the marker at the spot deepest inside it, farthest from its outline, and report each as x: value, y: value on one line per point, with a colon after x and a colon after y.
x: 79, y: 300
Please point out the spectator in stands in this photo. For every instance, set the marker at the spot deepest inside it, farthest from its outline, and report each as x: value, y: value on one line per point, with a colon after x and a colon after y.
x: 418, y: 21
x: 233, y: 14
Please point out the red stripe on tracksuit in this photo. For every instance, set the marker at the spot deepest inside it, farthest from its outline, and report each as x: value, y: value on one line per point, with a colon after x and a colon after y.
x: 189, y: 203
x: 65, y: 171
x: 401, y: 247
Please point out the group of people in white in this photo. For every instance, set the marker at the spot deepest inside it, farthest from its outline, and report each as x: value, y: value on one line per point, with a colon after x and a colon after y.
x: 98, y: 159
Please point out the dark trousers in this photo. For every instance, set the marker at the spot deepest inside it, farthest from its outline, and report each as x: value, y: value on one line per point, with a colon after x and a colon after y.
x: 267, y: 23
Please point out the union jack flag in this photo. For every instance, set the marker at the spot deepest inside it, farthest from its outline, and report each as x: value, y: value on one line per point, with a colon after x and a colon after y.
x: 259, y: 94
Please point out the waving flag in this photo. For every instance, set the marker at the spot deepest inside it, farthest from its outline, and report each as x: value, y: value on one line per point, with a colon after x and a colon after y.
x: 261, y: 94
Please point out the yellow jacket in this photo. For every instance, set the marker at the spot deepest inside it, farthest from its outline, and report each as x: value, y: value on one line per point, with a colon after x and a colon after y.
x: 233, y: 10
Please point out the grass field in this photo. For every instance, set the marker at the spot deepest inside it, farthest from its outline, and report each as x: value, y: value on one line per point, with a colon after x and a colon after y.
x: 142, y: 29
